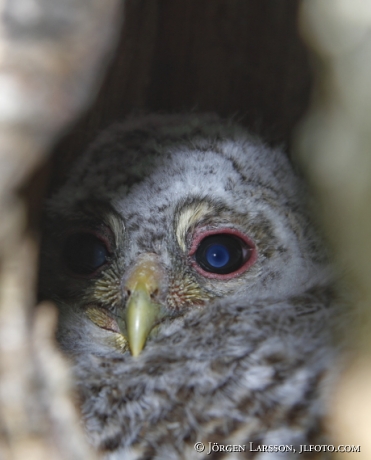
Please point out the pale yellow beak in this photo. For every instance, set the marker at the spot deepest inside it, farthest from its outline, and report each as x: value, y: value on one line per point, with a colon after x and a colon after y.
x: 142, y: 312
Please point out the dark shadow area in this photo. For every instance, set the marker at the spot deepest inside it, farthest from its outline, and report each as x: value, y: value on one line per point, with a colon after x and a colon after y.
x: 240, y: 58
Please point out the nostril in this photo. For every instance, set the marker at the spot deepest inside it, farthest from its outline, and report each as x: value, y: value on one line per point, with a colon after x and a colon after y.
x: 154, y: 294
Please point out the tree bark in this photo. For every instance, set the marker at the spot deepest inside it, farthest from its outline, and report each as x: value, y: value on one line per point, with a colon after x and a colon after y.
x: 239, y: 58
x: 50, y: 59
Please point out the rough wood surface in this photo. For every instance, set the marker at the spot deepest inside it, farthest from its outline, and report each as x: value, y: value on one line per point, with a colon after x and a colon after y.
x: 335, y: 149
x: 50, y: 59
x: 240, y: 58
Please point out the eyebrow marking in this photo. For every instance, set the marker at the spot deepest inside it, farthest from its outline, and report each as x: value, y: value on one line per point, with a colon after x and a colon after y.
x: 188, y: 217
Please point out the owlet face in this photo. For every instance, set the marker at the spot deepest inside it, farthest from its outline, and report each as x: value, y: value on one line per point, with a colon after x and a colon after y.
x: 163, y: 215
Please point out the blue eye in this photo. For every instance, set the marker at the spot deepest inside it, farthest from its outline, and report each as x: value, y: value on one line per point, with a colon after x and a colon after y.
x: 222, y: 253
x: 84, y: 253
x: 217, y: 255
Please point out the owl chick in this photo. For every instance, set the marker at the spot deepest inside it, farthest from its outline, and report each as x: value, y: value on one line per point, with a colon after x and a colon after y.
x: 195, y: 296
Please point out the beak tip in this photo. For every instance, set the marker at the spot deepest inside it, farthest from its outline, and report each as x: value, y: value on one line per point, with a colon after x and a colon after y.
x: 136, y: 347
x: 135, y: 352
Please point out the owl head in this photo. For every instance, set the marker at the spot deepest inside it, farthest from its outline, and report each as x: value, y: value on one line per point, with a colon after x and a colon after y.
x: 165, y: 214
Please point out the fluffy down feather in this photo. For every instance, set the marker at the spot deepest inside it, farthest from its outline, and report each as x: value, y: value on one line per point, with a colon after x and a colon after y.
x: 235, y: 361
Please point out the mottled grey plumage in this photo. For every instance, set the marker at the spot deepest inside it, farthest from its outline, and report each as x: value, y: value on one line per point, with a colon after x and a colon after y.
x: 234, y: 360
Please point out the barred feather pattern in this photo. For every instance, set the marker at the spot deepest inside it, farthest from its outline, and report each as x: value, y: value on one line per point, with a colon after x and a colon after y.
x: 244, y: 361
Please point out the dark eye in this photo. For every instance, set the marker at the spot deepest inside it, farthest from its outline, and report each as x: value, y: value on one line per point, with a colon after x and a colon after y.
x: 84, y: 253
x: 222, y: 253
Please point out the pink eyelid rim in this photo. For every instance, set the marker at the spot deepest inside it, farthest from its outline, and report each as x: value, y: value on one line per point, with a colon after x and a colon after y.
x: 200, y: 235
